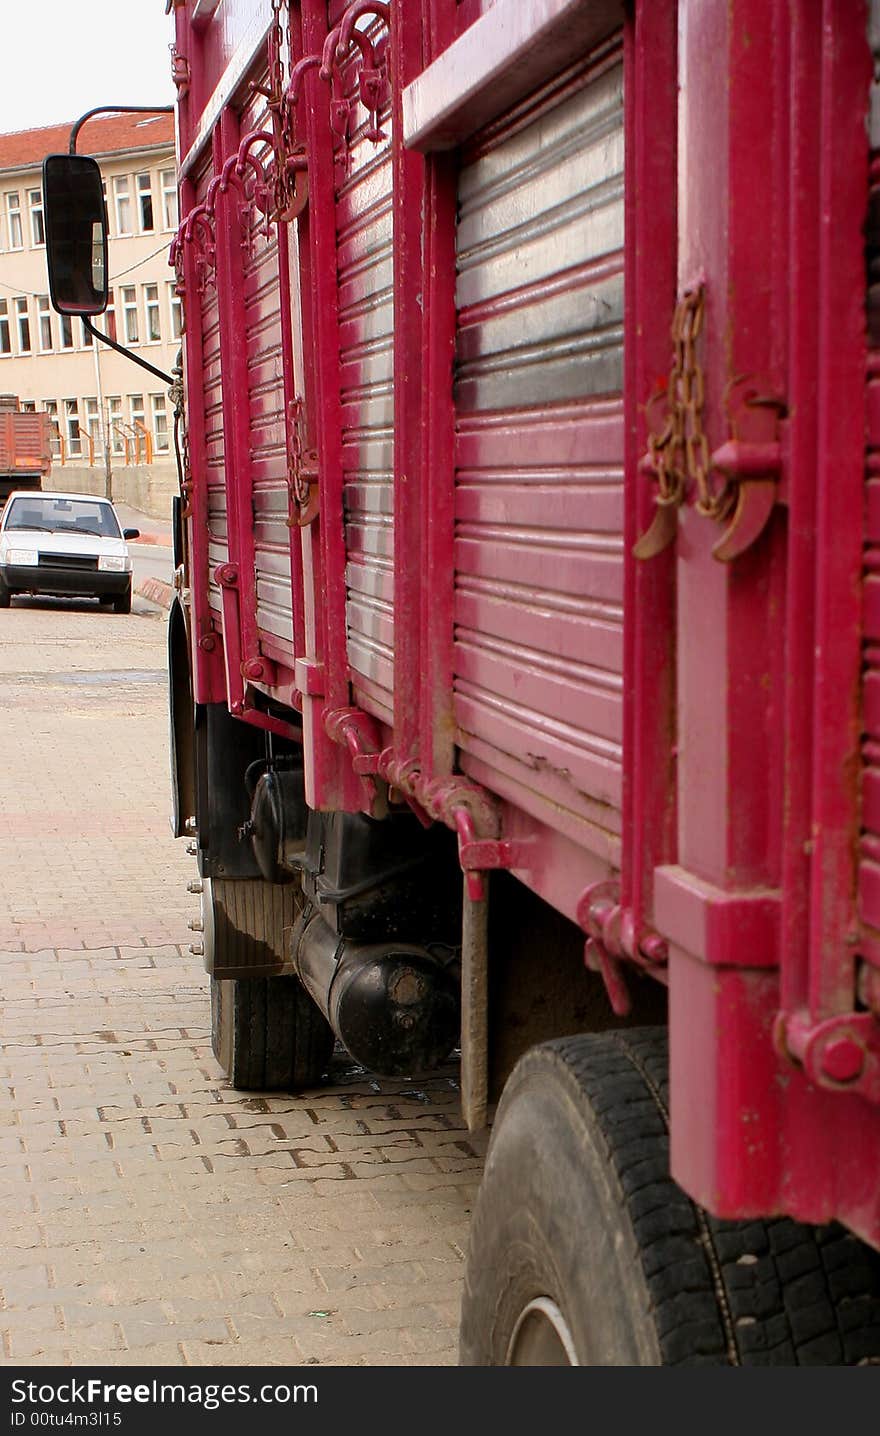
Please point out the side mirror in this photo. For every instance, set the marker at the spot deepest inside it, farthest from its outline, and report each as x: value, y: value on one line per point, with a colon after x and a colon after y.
x: 76, y: 234
x: 131, y: 533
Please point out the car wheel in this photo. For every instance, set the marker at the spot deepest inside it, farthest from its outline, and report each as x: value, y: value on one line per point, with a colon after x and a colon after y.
x: 122, y: 604
x: 584, y: 1252
x: 5, y: 595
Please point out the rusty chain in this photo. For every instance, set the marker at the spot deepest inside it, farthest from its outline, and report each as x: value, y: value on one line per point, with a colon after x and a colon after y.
x: 276, y: 42
x: 680, y: 452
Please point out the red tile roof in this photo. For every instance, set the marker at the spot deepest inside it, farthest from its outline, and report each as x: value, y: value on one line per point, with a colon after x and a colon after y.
x: 105, y: 135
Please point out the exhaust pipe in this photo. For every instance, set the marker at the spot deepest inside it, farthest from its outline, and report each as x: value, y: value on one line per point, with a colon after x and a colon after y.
x: 393, y: 1006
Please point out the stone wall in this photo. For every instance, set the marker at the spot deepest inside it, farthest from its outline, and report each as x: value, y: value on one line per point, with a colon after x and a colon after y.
x: 149, y: 488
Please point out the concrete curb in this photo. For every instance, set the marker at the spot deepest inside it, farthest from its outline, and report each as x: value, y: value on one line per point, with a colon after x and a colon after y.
x: 156, y: 591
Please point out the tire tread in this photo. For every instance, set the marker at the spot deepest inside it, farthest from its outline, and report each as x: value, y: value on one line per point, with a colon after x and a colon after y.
x: 279, y: 1040
x: 752, y: 1292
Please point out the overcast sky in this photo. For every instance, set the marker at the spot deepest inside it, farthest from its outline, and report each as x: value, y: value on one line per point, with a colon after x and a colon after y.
x: 62, y: 57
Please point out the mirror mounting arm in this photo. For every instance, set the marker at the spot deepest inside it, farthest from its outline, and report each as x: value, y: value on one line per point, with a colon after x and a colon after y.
x: 115, y: 110
x: 121, y: 349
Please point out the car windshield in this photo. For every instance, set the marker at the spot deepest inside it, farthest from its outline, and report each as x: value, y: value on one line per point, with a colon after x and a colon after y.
x: 63, y: 515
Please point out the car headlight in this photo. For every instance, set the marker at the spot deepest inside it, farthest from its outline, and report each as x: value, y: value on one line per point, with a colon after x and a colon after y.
x: 114, y: 563
x: 23, y: 557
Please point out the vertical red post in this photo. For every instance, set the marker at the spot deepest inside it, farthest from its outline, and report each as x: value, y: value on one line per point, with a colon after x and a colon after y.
x: 409, y: 216
x: 718, y: 906
x: 840, y: 492
x: 323, y: 676
x: 236, y: 394
x: 209, y: 685
x: 437, y: 420
x: 804, y: 129
x: 290, y: 316
x: 651, y: 101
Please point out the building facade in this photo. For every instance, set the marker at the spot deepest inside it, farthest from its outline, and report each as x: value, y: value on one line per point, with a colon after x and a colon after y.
x: 97, y: 399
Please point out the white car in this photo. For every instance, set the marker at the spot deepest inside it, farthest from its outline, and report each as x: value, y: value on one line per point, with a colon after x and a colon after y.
x: 66, y: 544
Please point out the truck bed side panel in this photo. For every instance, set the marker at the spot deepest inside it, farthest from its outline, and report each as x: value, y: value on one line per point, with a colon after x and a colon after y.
x: 539, y: 444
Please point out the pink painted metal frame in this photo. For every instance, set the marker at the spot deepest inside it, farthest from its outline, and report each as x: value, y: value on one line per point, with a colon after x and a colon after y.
x: 771, y: 1061
x: 741, y: 719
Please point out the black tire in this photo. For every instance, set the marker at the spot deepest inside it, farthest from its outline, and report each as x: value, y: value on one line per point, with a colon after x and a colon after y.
x: 122, y: 602
x: 583, y: 1251
x: 5, y: 595
x: 266, y: 1032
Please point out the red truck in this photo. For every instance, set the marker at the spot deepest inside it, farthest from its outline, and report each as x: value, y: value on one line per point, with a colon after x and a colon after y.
x: 525, y: 661
x: 25, y: 448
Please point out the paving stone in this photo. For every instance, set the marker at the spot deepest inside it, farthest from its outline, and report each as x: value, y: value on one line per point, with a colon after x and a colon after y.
x: 151, y: 1215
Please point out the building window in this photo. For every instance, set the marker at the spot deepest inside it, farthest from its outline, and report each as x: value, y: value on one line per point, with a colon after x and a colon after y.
x: 93, y: 426
x: 129, y: 314
x: 29, y: 406
x: 13, y: 219
x: 38, y: 228
x: 151, y: 309
x: 140, y: 442
x: 66, y: 328
x: 110, y: 315
x: 44, y: 316
x: 145, y: 203
x: 175, y: 309
x: 169, y: 199
x: 85, y: 336
x: 160, y: 423
x: 71, y: 423
x: 114, y: 415
x: 50, y: 407
x: 122, y: 201
x: 5, y: 340
x: 22, y: 325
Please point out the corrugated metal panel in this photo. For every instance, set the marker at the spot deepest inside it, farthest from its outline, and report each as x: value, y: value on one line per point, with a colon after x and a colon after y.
x: 262, y: 299
x: 539, y: 447
x: 215, y: 450
x: 24, y: 442
x: 366, y: 323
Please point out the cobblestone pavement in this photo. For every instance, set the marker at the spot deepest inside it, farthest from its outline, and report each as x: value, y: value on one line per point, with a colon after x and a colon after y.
x: 151, y: 1214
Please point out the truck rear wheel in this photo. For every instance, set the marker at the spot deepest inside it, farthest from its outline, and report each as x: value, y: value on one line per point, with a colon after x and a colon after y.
x: 266, y: 1032
x: 583, y: 1251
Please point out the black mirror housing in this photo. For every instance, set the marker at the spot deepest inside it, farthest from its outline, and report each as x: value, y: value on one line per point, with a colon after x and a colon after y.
x: 131, y: 533
x: 76, y: 234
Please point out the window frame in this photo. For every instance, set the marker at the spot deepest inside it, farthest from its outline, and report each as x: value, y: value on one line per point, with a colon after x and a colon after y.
x: 142, y: 193
x: 175, y: 310
x: 73, y: 441
x: 169, y: 192
x: 37, y: 218
x: 22, y: 322
x: 152, y: 307
x: 92, y: 415
x: 130, y: 307
x: 13, y: 211
x: 115, y: 417
x: 44, y: 325
x: 159, y: 410
x: 122, y: 197
x: 5, y: 330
